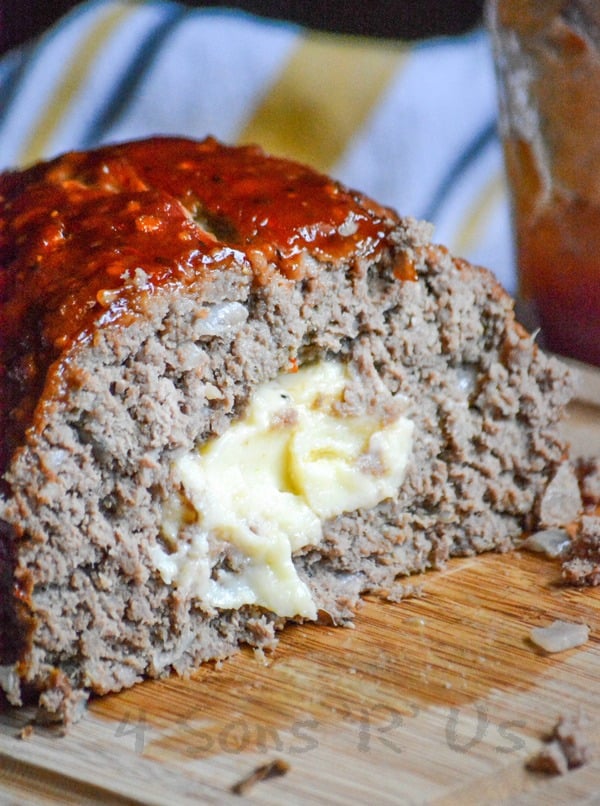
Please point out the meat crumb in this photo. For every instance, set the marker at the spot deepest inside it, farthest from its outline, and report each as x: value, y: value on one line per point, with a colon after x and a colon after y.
x: 550, y: 760
x: 272, y: 769
x: 26, y: 732
x: 567, y: 747
x: 588, y: 473
x: 581, y: 565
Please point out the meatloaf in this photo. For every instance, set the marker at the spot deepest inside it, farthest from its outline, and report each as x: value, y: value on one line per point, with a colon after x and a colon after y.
x: 234, y: 394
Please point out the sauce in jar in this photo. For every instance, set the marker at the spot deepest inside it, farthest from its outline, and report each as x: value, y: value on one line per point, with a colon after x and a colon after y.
x: 548, y: 65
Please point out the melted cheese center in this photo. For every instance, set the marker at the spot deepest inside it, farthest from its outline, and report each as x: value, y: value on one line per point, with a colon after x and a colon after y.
x: 267, y: 484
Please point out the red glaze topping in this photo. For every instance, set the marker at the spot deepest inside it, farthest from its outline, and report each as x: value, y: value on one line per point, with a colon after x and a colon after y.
x: 75, y: 231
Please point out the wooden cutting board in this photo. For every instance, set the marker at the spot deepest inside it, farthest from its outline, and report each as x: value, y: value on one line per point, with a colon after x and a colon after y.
x: 439, y: 700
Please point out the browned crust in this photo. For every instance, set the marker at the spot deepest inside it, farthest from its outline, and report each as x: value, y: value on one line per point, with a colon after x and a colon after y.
x: 16, y: 623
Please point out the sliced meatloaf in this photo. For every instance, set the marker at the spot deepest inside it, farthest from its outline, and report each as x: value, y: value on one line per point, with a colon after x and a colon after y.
x: 236, y: 393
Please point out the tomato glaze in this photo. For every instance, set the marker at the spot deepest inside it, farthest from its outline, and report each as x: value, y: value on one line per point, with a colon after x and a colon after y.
x: 82, y: 236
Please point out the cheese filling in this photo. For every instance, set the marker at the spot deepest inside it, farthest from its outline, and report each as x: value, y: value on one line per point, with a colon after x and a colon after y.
x: 267, y: 484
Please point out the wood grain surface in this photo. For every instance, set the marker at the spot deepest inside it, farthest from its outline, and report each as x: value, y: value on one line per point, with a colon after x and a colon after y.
x: 439, y: 699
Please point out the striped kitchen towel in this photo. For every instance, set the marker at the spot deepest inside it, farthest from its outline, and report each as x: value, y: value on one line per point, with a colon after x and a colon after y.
x: 411, y: 124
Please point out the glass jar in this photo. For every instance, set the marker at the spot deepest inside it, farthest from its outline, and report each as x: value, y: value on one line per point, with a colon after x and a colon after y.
x: 547, y: 57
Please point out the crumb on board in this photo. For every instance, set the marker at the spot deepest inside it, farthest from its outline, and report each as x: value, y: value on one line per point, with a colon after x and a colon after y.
x: 272, y: 769
x: 550, y: 759
x: 26, y: 732
x: 404, y: 590
x: 582, y: 562
x: 260, y: 656
x: 559, y: 636
x: 567, y: 747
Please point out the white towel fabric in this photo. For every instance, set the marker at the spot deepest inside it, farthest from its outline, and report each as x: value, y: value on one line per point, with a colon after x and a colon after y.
x: 413, y: 125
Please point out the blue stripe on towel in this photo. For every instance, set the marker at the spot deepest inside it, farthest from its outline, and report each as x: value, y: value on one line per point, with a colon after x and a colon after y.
x: 13, y: 66
x: 477, y: 146
x: 125, y: 89
x: 36, y: 53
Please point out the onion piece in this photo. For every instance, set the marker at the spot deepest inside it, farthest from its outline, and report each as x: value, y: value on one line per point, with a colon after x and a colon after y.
x: 551, y: 542
x: 559, y: 636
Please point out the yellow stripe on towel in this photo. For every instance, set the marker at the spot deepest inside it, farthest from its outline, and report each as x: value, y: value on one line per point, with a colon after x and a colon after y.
x: 74, y: 74
x: 479, y: 214
x: 323, y: 96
